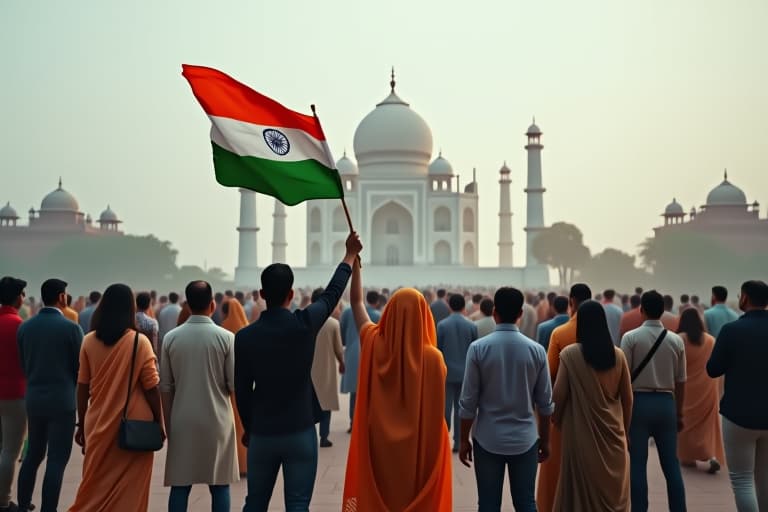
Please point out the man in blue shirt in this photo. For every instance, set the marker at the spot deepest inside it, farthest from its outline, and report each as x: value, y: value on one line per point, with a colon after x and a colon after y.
x: 544, y: 331
x: 719, y: 314
x: 454, y: 334
x: 506, y: 382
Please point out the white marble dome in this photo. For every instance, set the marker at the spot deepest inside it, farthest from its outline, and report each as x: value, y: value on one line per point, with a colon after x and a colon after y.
x: 440, y: 167
x: 59, y: 201
x: 533, y: 129
x: 346, y: 166
x: 8, y: 212
x: 393, y: 139
x: 108, y: 215
x: 726, y: 194
x: 674, y: 208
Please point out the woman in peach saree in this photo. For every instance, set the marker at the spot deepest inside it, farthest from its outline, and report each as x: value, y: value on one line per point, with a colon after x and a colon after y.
x: 400, y: 454
x: 234, y: 320
x: 114, y: 480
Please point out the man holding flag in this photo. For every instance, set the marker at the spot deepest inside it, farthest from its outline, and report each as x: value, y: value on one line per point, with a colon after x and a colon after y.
x: 260, y: 145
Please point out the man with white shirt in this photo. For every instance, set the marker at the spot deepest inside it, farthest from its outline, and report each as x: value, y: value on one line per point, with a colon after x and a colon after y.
x: 659, y: 392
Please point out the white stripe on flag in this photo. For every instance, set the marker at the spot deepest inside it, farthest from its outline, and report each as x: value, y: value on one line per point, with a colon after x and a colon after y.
x: 247, y: 139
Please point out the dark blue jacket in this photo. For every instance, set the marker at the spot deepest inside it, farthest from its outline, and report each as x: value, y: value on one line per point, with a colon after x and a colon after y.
x: 741, y: 354
x: 49, y: 349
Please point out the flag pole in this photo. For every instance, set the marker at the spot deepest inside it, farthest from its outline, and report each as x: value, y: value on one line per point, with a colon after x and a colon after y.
x: 328, y: 155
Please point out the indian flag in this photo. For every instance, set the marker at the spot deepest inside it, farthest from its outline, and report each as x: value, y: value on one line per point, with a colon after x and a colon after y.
x: 260, y: 145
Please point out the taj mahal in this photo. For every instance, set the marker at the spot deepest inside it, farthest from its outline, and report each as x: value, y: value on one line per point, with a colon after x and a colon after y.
x: 419, y: 225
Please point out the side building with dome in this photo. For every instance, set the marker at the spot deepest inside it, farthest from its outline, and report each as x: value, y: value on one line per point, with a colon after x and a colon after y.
x: 726, y: 217
x: 59, y: 217
x: 418, y: 222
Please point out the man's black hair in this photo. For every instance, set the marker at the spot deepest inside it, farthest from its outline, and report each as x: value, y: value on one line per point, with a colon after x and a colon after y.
x: 669, y: 302
x: 199, y: 296
x: 10, y: 289
x: 635, y: 301
x: 94, y: 297
x: 441, y: 293
x: 316, y: 293
x: 372, y: 298
x: 653, y: 304
x: 276, y: 284
x: 477, y: 298
x: 756, y: 292
x: 508, y: 303
x: 560, y: 305
x: 609, y: 295
x: 486, y: 306
x: 457, y: 302
x: 50, y: 291
x: 720, y: 293
x: 580, y: 292
x: 143, y: 301
x: 684, y: 298
x: 173, y: 297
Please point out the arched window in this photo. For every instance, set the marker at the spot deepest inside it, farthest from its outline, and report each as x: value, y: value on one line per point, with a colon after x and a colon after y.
x: 442, y: 219
x: 442, y: 253
x: 339, y: 220
x: 469, y: 220
x: 315, y: 221
x: 469, y: 254
x: 392, y: 227
x: 314, y: 254
x: 393, y: 255
x: 339, y: 249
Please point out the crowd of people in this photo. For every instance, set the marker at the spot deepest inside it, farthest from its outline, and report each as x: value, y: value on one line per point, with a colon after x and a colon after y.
x: 564, y: 392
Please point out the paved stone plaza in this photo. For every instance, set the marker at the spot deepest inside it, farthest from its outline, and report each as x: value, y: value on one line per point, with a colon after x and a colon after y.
x: 705, y: 493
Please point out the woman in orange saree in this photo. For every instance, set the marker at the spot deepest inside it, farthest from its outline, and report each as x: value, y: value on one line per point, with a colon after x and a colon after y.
x: 114, y: 480
x: 400, y: 454
x: 234, y: 321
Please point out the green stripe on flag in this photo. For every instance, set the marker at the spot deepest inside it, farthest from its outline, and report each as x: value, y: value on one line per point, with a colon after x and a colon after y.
x: 290, y: 182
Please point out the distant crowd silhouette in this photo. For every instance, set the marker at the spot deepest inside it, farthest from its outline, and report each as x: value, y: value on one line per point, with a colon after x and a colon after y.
x: 564, y: 392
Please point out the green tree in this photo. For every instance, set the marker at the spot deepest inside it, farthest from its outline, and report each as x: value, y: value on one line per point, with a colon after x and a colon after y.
x: 561, y: 246
x: 613, y: 268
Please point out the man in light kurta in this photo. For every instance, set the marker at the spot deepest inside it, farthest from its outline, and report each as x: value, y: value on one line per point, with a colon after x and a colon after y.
x: 197, y: 378
x: 719, y: 314
x: 328, y: 352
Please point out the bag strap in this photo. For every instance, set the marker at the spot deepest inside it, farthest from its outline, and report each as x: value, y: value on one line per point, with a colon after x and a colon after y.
x: 130, y: 376
x: 649, y: 355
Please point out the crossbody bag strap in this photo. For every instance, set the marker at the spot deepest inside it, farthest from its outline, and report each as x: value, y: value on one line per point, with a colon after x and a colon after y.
x: 637, y: 371
x: 130, y: 376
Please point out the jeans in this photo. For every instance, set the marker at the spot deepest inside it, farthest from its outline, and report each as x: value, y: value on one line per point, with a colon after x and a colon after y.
x: 220, y: 500
x: 53, y: 434
x: 746, y: 452
x: 489, y: 473
x: 352, y: 400
x: 13, y: 428
x: 297, y: 454
x: 654, y: 415
x: 452, y: 394
x: 325, y: 425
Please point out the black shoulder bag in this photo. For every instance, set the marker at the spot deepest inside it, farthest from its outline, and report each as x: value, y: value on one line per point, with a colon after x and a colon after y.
x: 138, y: 435
x: 637, y: 371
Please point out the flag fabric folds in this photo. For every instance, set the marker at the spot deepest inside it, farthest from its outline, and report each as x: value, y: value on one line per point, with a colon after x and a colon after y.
x: 260, y: 145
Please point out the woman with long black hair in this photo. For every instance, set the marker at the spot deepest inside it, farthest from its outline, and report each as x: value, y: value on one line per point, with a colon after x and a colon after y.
x: 593, y: 409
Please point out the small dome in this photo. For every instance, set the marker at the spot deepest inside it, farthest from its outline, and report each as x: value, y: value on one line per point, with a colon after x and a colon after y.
x: 346, y: 166
x: 533, y: 129
x: 7, y: 212
x: 440, y: 167
x: 60, y: 200
x: 108, y: 215
x: 470, y: 188
x: 726, y: 194
x: 504, y: 169
x: 674, y: 208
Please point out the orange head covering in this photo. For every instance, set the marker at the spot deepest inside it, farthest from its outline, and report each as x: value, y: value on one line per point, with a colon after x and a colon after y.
x: 400, y: 454
x: 236, y: 318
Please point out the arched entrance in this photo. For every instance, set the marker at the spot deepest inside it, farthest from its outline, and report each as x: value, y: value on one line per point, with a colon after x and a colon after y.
x: 442, y: 253
x: 392, y: 236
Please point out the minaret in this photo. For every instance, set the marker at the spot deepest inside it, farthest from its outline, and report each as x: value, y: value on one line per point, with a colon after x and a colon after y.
x: 247, y: 272
x: 534, y: 191
x: 505, y: 218
x: 278, y: 233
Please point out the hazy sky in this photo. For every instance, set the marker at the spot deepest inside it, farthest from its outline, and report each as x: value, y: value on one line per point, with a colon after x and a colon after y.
x: 638, y: 102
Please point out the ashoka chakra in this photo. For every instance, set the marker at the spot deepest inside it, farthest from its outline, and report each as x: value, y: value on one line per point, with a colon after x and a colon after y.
x: 277, y: 141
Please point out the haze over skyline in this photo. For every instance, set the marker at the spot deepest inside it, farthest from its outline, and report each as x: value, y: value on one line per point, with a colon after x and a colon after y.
x: 648, y: 101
